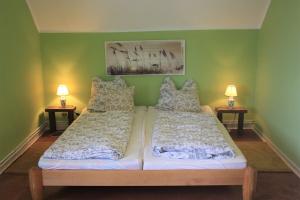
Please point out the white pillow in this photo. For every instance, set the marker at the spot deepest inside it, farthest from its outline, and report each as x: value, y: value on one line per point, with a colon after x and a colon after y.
x: 166, y: 98
x: 117, y: 99
x: 185, y: 100
x: 99, y: 85
x: 111, y: 95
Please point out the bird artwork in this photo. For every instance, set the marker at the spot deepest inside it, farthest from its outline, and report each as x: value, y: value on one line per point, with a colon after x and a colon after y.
x: 145, y: 57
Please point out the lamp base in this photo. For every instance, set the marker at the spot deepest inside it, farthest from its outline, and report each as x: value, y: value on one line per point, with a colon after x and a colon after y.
x: 63, y: 102
x: 230, y: 103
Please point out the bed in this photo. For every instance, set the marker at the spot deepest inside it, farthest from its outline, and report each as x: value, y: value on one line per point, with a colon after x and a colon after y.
x: 76, y: 174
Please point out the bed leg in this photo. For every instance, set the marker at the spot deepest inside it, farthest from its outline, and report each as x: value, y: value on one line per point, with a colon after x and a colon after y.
x: 36, y: 183
x: 249, y: 183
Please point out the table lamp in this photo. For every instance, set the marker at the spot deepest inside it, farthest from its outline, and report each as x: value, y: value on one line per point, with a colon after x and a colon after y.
x: 62, y: 91
x: 231, y: 93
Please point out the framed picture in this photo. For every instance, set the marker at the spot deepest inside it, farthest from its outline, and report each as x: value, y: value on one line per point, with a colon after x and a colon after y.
x: 153, y: 57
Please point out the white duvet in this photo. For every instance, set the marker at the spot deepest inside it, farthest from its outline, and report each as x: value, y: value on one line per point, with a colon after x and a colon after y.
x: 94, y: 136
x: 187, y: 135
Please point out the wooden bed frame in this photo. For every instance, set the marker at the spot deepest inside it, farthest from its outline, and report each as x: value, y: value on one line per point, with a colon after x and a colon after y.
x: 40, y: 177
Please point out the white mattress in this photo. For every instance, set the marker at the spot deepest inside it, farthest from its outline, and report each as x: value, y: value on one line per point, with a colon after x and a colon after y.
x: 158, y: 163
x: 132, y: 160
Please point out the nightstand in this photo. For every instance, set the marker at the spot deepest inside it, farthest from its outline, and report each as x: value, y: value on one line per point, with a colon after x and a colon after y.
x: 53, y: 109
x: 235, y: 110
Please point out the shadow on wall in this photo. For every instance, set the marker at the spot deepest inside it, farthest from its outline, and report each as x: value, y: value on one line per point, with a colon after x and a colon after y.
x: 41, y: 118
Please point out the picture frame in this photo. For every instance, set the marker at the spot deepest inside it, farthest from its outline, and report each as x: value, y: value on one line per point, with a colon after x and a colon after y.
x: 146, y: 57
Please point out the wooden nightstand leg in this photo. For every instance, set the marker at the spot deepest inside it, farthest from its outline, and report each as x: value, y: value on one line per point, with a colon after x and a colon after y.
x: 70, y: 117
x: 240, y: 129
x: 52, y: 121
x: 220, y: 116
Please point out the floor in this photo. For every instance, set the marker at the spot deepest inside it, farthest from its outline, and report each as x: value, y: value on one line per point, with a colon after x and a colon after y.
x: 259, y: 155
x: 275, y: 180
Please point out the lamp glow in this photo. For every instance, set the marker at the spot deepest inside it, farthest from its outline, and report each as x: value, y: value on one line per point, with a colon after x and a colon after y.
x: 62, y: 91
x: 231, y: 93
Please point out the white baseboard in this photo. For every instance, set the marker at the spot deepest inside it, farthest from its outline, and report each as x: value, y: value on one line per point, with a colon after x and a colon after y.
x: 21, y: 148
x: 285, y: 159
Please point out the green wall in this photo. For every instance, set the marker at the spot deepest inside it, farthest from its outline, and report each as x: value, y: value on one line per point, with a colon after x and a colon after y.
x: 278, y: 77
x: 213, y: 58
x: 21, y: 82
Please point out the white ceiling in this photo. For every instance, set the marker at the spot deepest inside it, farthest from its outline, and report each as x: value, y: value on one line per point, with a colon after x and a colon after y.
x: 146, y: 15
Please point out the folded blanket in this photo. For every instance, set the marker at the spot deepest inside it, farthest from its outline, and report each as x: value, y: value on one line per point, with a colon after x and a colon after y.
x: 94, y: 136
x: 185, y: 135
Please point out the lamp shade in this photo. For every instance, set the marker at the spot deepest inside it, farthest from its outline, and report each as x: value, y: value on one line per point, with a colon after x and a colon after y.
x: 62, y: 90
x: 231, y: 91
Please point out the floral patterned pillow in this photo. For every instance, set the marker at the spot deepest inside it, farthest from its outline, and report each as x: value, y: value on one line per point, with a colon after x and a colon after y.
x: 167, y: 92
x: 111, y: 95
x: 118, y: 99
x: 185, y: 100
x: 99, y: 85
